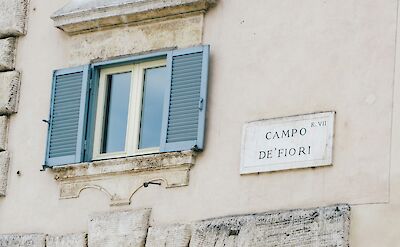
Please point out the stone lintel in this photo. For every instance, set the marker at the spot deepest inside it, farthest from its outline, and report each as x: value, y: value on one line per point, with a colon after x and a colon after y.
x: 9, y: 92
x: 118, y: 228
x: 25, y: 240
x: 82, y: 16
x: 7, y: 54
x: 4, y: 163
x: 114, y: 177
x: 68, y: 240
x: 13, y: 17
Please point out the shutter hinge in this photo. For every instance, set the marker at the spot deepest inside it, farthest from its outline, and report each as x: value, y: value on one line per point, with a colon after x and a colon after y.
x: 195, y: 148
x: 201, y: 103
x: 85, y: 145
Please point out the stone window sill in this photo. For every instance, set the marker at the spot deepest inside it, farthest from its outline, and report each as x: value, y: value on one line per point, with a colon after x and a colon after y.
x: 121, y: 178
x: 83, y: 16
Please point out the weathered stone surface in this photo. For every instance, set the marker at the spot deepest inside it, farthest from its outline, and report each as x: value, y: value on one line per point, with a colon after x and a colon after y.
x: 68, y: 240
x: 3, y: 132
x: 119, y: 228
x: 169, y: 236
x: 121, y: 178
x: 81, y: 16
x: 7, y: 53
x: 325, y: 226
x: 9, y: 92
x: 4, y: 163
x: 181, y: 32
x: 23, y: 240
x: 13, y: 16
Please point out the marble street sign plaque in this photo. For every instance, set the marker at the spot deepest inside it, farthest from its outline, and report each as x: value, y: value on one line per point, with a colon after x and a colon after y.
x: 287, y: 143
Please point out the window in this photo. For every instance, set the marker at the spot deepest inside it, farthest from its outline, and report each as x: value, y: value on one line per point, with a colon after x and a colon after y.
x: 132, y: 106
x: 131, y: 103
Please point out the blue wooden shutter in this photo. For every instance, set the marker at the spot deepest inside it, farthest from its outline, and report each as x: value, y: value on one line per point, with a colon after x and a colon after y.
x: 67, y: 116
x: 185, y: 107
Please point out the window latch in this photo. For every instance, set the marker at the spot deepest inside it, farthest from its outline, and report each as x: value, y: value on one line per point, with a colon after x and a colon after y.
x: 201, y: 103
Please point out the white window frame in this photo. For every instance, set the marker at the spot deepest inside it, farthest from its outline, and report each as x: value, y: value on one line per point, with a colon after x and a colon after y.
x: 134, y: 110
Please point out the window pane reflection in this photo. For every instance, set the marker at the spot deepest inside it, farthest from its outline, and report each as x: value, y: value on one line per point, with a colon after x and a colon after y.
x: 116, y: 112
x: 155, y: 85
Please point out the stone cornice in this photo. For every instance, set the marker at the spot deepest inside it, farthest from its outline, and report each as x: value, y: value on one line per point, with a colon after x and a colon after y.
x: 121, y: 178
x: 80, y: 16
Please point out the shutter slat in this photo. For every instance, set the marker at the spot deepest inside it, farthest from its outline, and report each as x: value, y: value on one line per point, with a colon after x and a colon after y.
x: 63, y: 111
x: 187, y: 125
x: 70, y: 98
x: 183, y: 116
x: 65, y: 93
x: 182, y: 131
x: 189, y: 96
x: 64, y: 127
x: 60, y: 153
x: 62, y: 118
x: 67, y: 84
x: 57, y: 148
x: 183, y: 124
x: 189, y: 63
x: 190, y: 108
x: 185, y: 71
x: 179, y: 102
x: 187, y: 57
x: 182, y: 139
x: 184, y: 104
x: 186, y: 80
x: 62, y: 144
x: 185, y: 84
x: 185, y: 89
x: 194, y: 92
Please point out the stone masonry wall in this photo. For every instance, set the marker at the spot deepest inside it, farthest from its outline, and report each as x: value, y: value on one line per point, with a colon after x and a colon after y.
x: 12, y: 24
x: 323, y: 227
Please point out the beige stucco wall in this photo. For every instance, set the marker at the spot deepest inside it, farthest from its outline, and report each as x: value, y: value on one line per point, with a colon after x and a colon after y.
x: 268, y: 59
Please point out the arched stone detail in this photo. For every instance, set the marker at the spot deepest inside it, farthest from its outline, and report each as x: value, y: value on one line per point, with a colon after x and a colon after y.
x: 121, y: 178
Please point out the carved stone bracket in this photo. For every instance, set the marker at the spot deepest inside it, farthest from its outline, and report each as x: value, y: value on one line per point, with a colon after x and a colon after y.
x: 121, y: 178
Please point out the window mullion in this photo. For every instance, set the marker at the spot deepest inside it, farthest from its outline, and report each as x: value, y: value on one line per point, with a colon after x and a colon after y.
x: 136, y: 105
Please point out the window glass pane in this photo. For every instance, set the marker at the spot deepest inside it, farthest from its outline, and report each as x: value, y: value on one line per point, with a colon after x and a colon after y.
x: 155, y: 85
x: 116, y: 112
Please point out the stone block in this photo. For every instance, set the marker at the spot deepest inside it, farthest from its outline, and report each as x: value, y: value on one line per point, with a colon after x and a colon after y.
x: 3, y: 132
x: 68, y: 240
x: 23, y: 240
x: 9, y: 92
x: 119, y: 228
x: 13, y: 16
x: 7, y: 54
x: 4, y: 162
x: 169, y: 236
x: 325, y: 226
